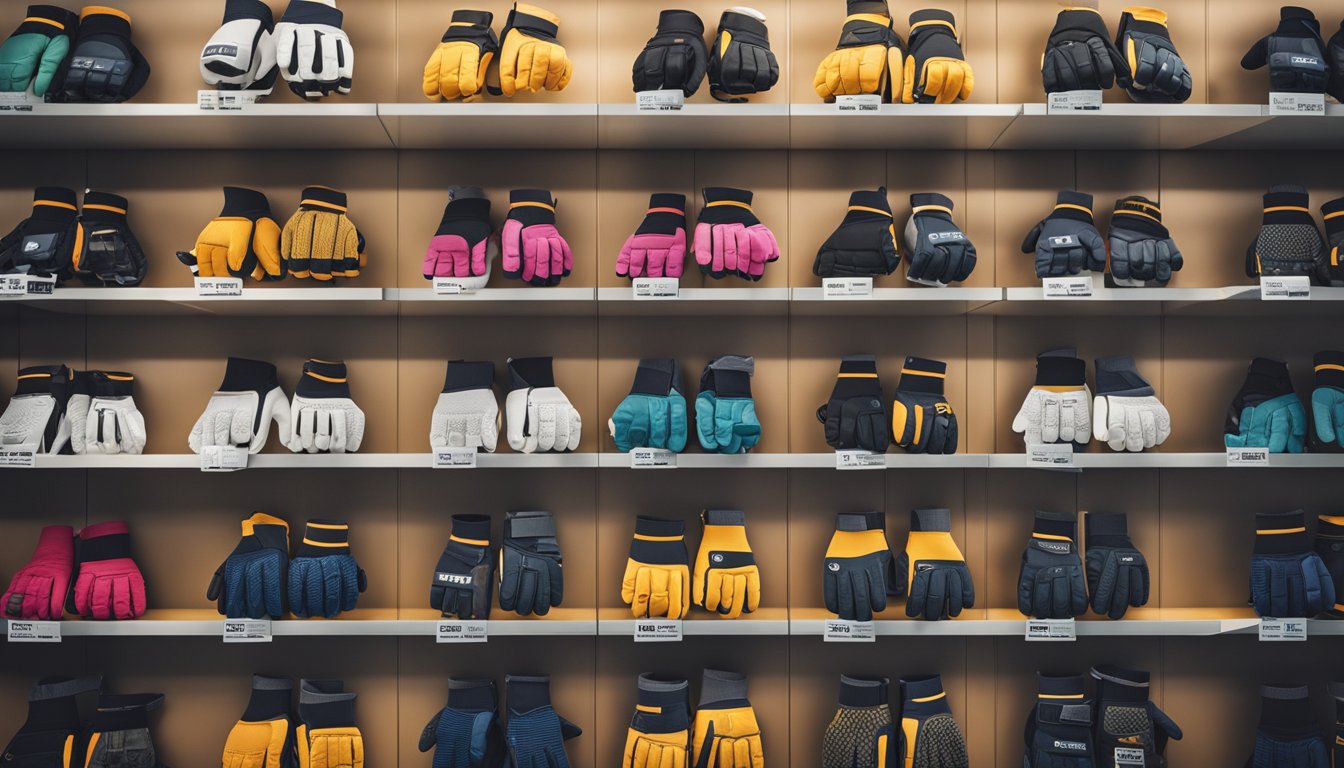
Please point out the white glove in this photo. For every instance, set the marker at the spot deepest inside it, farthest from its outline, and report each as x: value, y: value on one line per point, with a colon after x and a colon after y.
x: 241, y: 53
x: 241, y: 411
x: 1056, y: 409
x: 77, y: 409
x: 540, y: 417
x: 35, y: 418
x: 313, y: 53
x: 323, y: 417
x: 1129, y: 417
x: 466, y: 415
x: 112, y: 423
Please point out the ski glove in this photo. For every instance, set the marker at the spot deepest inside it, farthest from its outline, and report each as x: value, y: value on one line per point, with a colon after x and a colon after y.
x: 107, y: 582
x: 1117, y: 573
x: 864, y: 245
x: 53, y: 734
x: 263, y: 737
x: 312, y: 51
x: 1287, y: 736
x: 253, y: 581
x: 854, y: 418
x: 464, y: 578
x: 466, y: 414
x: 1067, y: 242
x: 939, y: 251
x: 1079, y: 55
x: 1050, y: 584
x: 531, y: 576
x: 104, y: 66
x: 1327, y: 401
x: 658, y: 246
x: 1056, y: 410
x: 861, y: 734
x: 660, y: 730
x: 869, y: 58
x: 1059, y: 728
x: 936, y: 71
x: 540, y: 417
x: 119, y: 734
x: 725, y: 414
x: 240, y: 412
x: 112, y: 253
x: 1157, y: 73
x: 104, y: 415
x: 653, y: 415
x: 536, y: 733
x: 328, y: 736
x: 657, y: 581
x: 922, y: 420
x: 38, y: 589
x: 533, y: 250
x: 466, y: 733
x: 48, y: 242
x: 1332, y: 213
x: 319, y: 241
x: 854, y: 572
x: 931, y: 736
x: 1142, y: 250
x: 729, y: 239
x: 1266, y: 412
x: 324, y: 579
x: 675, y: 58
x: 1294, y: 52
x: 1329, y: 545
x: 1288, y: 579
x: 240, y: 55
x: 740, y: 59
x: 931, y: 573
x: 725, y: 733
x: 530, y: 57
x: 462, y: 247
x: 1131, y: 730
x: 726, y: 580
x: 457, y: 67
x: 322, y: 417
x: 1289, y: 242
x: 243, y: 240
x: 1334, y: 54
x: 1128, y: 416
x: 32, y: 56
x: 35, y: 419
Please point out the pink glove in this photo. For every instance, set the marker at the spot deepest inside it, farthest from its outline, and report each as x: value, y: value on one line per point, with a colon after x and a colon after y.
x: 108, y: 584
x: 462, y: 246
x: 658, y: 247
x: 729, y: 238
x: 38, y: 589
x: 532, y: 247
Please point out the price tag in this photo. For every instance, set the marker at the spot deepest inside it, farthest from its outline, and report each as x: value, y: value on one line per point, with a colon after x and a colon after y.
x: 1248, y: 457
x: 1276, y: 630
x: 1128, y: 757
x: 1052, y: 630
x: 447, y: 631
x: 859, y: 104
x: 18, y: 458
x: 27, y: 285
x: 1290, y: 288
x: 219, y: 286
x: 847, y: 288
x: 18, y: 101
x: 1050, y: 456
x: 225, y: 101
x: 655, y: 287
x: 655, y: 458
x: 1073, y: 287
x: 450, y: 286
x: 1296, y: 104
x: 1073, y: 102
x: 860, y: 460
x: 223, y: 458
x: 247, y: 630
x: 657, y: 631
x: 841, y: 631
x: 34, y: 631
x: 659, y: 101
x: 454, y: 458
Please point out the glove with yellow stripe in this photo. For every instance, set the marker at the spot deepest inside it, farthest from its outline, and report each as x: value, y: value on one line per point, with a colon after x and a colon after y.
x: 1327, y: 402
x: 324, y: 578
x: 33, y: 54
x: 1050, y: 584
x: 49, y: 241
x: 1058, y: 407
x: 936, y: 71
x: 740, y: 60
x: 661, y: 727
x: 931, y: 573
x: 657, y: 580
x: 263, y: 736
x: 1079, y: 55
x: 854, y: 418
x: 328, y: 736
x: 530, y: 57
x: 1157, y: 72
x: 457, y: 67
x: 939, y: 252
x: 1142, y: 250
x: 319, y: 240
x: 322, y: 417
x: 861, y: 732
x: 242, y: 241
x: 869, y: 57
x: 864, y: 245
x: 1067, y: 242
x: 930, y: 737
x: 119, y: 731
x: 726, y: 734
x: 1289, y: 242
x: 727, y: 580
x: 53, y: 728
x: 921, y: 418
x: 1333, y: 215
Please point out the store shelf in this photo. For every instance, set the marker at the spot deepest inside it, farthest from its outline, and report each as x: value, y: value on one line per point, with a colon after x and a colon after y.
x: 478, y: 126
x: 1007, y: 622
x: 1236, y: 300
x: 1130, y: 126
x: 801, y: 461
x: 1149, y: 460
x: 694, y: 126
x: 765, y: 621
x: 358, y: 623
x: 315, y: 300
x: 924, y: 301
x: 1297, y: 132
x: 525, y: 300
x: 700, y: 302
x: 900, y: 126
x: 323, y: 461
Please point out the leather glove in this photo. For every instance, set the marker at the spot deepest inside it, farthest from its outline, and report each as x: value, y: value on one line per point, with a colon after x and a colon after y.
x: 674, y: 58
x: 530, y: 57
x: 1117, y: 573
x: 726, y: 579
x: 1056, y: 408
x: 740, y: 59
x: 1067, y: 242
x: 1128, y: 415
x: 32, y: 55
x: 466, y: 414
x: 462, y: 246
x: 240, y: 412
x: 869, y: 58
x: 111, y: 253
x: 328, y: 736
x: 38, y: 589
x: 457, y: 67
x: 240, y: 55
x: 540, y: 417
x: 104, y: 66
x: 940, y: 253
x: 35, y: 419
x: 661, y: 727
x: 1265, y: 413
x: 312, y: 51
x: 533, y: 249
x: 322, y: 417
x: 1157, y: 72
x: 1327, y: 402
x: 936, y: 71
x: 264, y: 736
x: 864, y: 245
x: 1294, y: 52
x: 1079, y: 55
x: 1142, y: 250
x: 725, y: 414
x: 658, y: 246
x: 729, y: 238
x: 725, y: 732
x: 657, y: 581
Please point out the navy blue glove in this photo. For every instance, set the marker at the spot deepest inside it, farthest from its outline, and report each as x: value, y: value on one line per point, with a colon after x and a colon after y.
x: 1050, y: 584
x: 653, y: 415
x: 1288, y: 579
x: 536, y: 734
x: 251, y: 582
x: 465, y: 734
x: 324, y: 578
x: 1131, y: 729
x: 1287, y: 736
x: 1059, y: 728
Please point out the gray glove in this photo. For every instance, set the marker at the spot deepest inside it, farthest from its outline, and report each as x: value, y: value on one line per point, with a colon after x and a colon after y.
x: 1142, y: 250
x: 939, y: 252
x: 1067, y: 242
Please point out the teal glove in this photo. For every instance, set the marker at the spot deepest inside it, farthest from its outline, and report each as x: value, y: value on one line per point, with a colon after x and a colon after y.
x: 1279, y: 424
x: 725, y: 414
x: 1327, y: 401
x: 38, y: 47
x: 653, y: 415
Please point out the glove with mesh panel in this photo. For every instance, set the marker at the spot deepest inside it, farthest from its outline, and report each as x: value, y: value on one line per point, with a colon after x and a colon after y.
x: 531, y: 57
x: 466, y: 414
x: 936, y: 71
x: 1289, y: 242
x: 940, y: 252
x: 864, y: 245
x: 324, y: 579
x: 319, y: 240
x: 32, y: 55
x: 861, y: 734
x: 1131, y: 730
x: 466, y: 733
x: 457, y: 67
x: 240, y: 55
x: 869, y: 57
x: 1294, y: 52
x: 1142, y: 250
x: 536, y: 733
x: 1067, y: 242
x: 322, y: 417
x: 252, y: 582
x: 1079, y: 55
x: 112, y: 424
x: 1157, y: 72
x: 930, y: 737
x: 1288, y: 579
x: 1327, y: 402
x: 540, y: 417
x: 675, y: 58
x: 312, y: 51
x: 740, y: 59
x: 1128, y: 415
x: 1117, y: 573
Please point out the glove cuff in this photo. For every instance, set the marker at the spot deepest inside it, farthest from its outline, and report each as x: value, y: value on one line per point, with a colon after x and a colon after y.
x: 102, y: 20
x: 870, y: 7
x: 124, y: 712
x: 61, y: 538
x: 930, y: 521
x: 1060, y: 371
x: 241, y: 201
x: 1293, y: 13
x: 715, y: 196
x: 863, y: 692
x: 104, y: 206
x: 529, y: 525
x: 323, y: 379
x: 1107, y: 530
x: 870, y: 201
x: 65, y: 21
x: 1329, y: 366
x: 527, y: 693
x: 110, y: 384
x: 666, y: 697
x: 1080, y: 19
x: 1074, y: 205
x: 728, y: 381
x: 741, y: 22
x: 1269, y: 377
x: 531, y: 372
x: 472, y: 18
x: 681, y: 21
x: 55, y: 204
x: 1327, y: 527
x: 235, y: 10
x: 930, y: 21
x: 473, y: 530
x: 54, y: 380
x: 659, y: 528
x: 1332, y: 212
x: 263, y: 520
x: 858, y: 364
x: 1140, y: 15
x: 922, y: 375
x: 471, y: 695
x: 270, y: 699
x: 1281, y: 533
x: 323, y: 198
x: 857, y: 522
x: 1055, y: 686
x: 1119, y: 684
x: 463, y: 375
x: 1118, y: 375
x: 934, y: 200
x: 534, y: 17
x: 325, y: 704
x: 1285, y: 711
x: 718, y: 686
x: 924, y: 687
x: 1055, y: 525
x: 325, y: 538
x: 539, y: 199
x: 242, y: 374
x: 53, y: 705
x: 105, y: 541
x: 1287, y: 204
x: 665, y: 200
x: 724, y: 517
x: 656, y: 376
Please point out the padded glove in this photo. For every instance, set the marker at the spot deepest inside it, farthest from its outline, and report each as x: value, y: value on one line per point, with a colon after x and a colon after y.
x: 869, y: 58
x: 675, y: 58
x: 253, y: 580
x: 34, y: 53
x: 466, y: 414
x: 540, y: 417
x: 324, y: 579
x: 35, y: 418
x: 726, y: 579
x: 940, y: 252
x: 1079, y: 55
x: 864, y: 245
x: 1334, y: 55
x: 462, y: 247
x: 111, y: 253
x: 740, y: 60
x: 120, y: 731
x: 1050, y: 584
x: 1067, y: 242
x: 323, y: 418
x: 1056, y: 408
x: 1128, y: 415
x: 531, y: 575
x: 854, y: 417
x: 931, y: 572
x: 242, y: 240
x: 658, y: 246
x: 1117, y: 573
x: 107, y: 582
x: 328, y: 736
x: 1131, y: 730
x: 1059, y: 728
x: 922, y: 420
x: 1329, y: 545
x: 312, y: 51
x: 112, y: 423
x: 729, y: 238
x: 464, y: 578
x: 725, y: 414
x: 861, y: 733
x: 457, y: 67
x: 48, y: 242
x: 1287, y: 736
x: 726, y: 733
x: 240, y: 412
x: 1265, y: 413
x: 1142, y: 250
x: 1288, y: 579
x: 533, y: 249
x: 264, y: 736
x: 319, y: 241
x: 38, y: 589
x: 240, y: 55
x: 657, y: 581
x: 936, y: 71
x: 1289, y: 242
x: 536, y: 732
x: 854, y: 572
x: 653, y: 415
x: 1327, y: 402
x: 104, y: 66
x: 1333, y: 215
x: 660, y: 730
x: 466, y: 733
x: 1294, y: 52
x: 77, y: 409
x: 53, y: 732
x: 530, y: 57
x: 1157, y: 73
x: 932, y: 738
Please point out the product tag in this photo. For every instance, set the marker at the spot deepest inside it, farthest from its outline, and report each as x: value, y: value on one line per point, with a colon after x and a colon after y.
x: 847, y: 288
x: 841, y: 631
x: 1128, y: 757
x: 657, y: 630
x: 1072, y: 102
x: 18, y: 101
x: 859, y: 104
x: 225, y: 101
x: 1073, y: 287
x: 655, y: 287
x: 18, y: 458
x: 1282, y: 629
x: 247, y: 630
x: 449, y: 631
x: 1289, y: 288
x: 657, y: 458
x: 449, y: 286
x: 1050, y: 455
x: 219, y: 286
x: 223, y: 458
x: 27, y: 285
x: 1248, y: 457
x: 1296, y: 104
x: 1052, y: 630
x: 860, y: 460
x: 660, y: 101
x: 454, y: 458
x: 34, y: 631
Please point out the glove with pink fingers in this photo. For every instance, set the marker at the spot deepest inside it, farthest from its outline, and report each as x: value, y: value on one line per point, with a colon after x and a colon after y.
x: 658, y: 247
x: 729, y: 238
x: 37, y: 591
x: 533, y: 250
x: 462, y: 248
x: 108, y: 584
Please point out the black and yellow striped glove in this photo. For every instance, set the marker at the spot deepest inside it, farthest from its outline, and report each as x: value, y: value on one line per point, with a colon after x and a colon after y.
x: 319, y: 240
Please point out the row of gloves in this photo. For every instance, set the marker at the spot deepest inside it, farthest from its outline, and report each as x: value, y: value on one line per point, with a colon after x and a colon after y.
x: 59, y: 239
x: 56, y: 409
x: 66, y: 57
x: 89, y: 573
x: 1266, y: 412
x: 864, y: 245
x: 114, y: 735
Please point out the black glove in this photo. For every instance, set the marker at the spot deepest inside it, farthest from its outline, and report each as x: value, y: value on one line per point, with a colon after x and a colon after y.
x: 1294, y: 52
x: 53, y: 725
x: 47, y: 242
x: 1059, y: 728
x: 741, y: 61
x: 675, y: 57
x: 1067, y: 242
x: 1287, y: 736
x: 858, y: 561
x: 1050, y: 584
x: 922, y: 420
x: 1289, y: 242
x: 1079, y: 55
x: 1117, y: 574
x: 1142, y: 250
x: 1131, y: 730
x: 864, y: 245
x: 104, y: 66
x: 1157, y: 72
x: 465, y: 576
x: 1329, y: 545
x: 530, y: 577
x: 1332, y: 272
x: 112, y: 254
x: 854, y: 416
x: 1334, y: 55
x: 940, y: 253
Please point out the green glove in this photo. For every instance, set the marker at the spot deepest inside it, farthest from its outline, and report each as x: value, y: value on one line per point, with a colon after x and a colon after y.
x: 1279, y: 424
x: 38, y: 47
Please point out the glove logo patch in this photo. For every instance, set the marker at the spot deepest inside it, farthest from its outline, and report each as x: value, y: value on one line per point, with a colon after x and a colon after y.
x: 30, y: 246
x: 1055, y: 547
x: 220, y: 49
x: 833, y: 567
x: 1076, y: 746
x: 942, y: 409
x: 716, y: 557
x: 1063, y: 241
x: 1307, y: 60
x: 935, y: 237
x: 453, y: 578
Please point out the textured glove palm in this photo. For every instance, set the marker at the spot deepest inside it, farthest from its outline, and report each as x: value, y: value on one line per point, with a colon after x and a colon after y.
x: 536, y: 732
x: 323, y: 417
x: 932, y: 737
x: 1287, y: 736
x: 324, y: 579
x: 1131, y: 730
x: 240, y: 412
x: 1128, y: 415
x: 466, y: 733
x: 466, y: 414
x: 1057, y: 409
x: 861, y: 734
x: 253, y: 580
x: 1288, y: 242
x: 540, y: 417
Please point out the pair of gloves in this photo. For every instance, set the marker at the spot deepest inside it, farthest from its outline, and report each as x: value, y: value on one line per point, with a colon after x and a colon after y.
x: 1079, y: 56
x: 467, y: 732
x: 307, y: 48
x: 871, y: 58
x: 463, y: 247
x: 1059, y: 408
x: 863, y: 731
x: 526, y: 57
x: 90, y: 574
x: 1299, y: 60
x: 654, y: 415
x: 864, y: 245
x: 90, y: 411
x: 1121, y: 728
x: 62, y: 56
x: 540, y: 417
x: 1067, y: 242
x: 659, y: 582
x: 1289, y: 243
x: 531, y: 574
x: 115, y: 734
x: 95, y: 245
x: 1053, y: 581
x: 922, y: 421
x: 326, y: 734
x: 724, y: 732
x: 739, y: 63
x: 728, y: 238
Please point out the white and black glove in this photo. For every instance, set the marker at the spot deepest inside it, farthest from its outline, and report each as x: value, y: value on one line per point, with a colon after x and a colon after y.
x: 322, y: 417
x: 35, y: 418
x: 466, y: 415
x: 1057, y: 409
x: 1127, y: 414
x: 77, y: 408
x: 241, y: 411
x: 240, y: 56
x: 111, y: 423
x: 540, y: 417
x: 312, y: 51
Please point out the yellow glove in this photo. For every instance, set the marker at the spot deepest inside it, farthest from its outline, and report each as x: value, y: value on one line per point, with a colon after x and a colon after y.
x: 726, y: 578
x: 242, y: 240
x: 328, y: 737
x: 319, y: 241
x: 530, y: 57
x: 661, y: 727
x: 936, y: 71
x: 456, y: 69
x: 657, y: 577
x: 726, y: 734
x: 262, y: 738
x: 868, y: 57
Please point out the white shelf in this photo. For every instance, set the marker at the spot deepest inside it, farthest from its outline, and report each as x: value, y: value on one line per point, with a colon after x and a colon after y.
x: 320, y: 628
x: 707, y: 627
x: 523, y: 300
x: 897, y: 301
x: 696, y: 301
x: 490, y: 125
x: 900, y: 126
x: 1112, y: 460
x: 1126, y: 126
x: 315, y: 300
x: 323, y: 461
x: 1238, y: 300
x: 1084, y: 628
x: 695, y: 126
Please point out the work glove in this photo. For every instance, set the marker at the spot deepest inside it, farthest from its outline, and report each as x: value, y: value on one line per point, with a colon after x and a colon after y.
x: 657, y: 581
x: 1329, y: 545
x: 1288, y: 242
x: 53, y: 734
x: 1157, y: 74
x: 464, y: 578
x: 466, y: 414
x: 1117, y: 573
x: 240, y: 412
x: 653, y: 415
x: 466, y: 733
x: 111, y: 423
x: 936, y: 71
x: 35, y: 419
x: 1294, y: 52
x: 864, y: 245
x: 1334, y: 54
x: 1056, y: 410
x: 111, y: 253
x: 861, y: 734
x: 1050, y: 584
x: 1079, y: 55
x: 725, y: 733
x: 264, y: 736
x: 1059, y: 728
x: 660, y: 730
x: 540, y: 417
x: 1327, y: 402
x: 658, y: 246
x: 328, y: 736
x: 319, y: 241
x: 240, y: 55
x: 531, y: 575
x: 530, y: 57
x: 103, y: 66
x: 940, y: 252
x: 1288, y: 579
x: 536, y: 732
x: 869, y: 58
x: 932, y: 738
x: 1287, y: 736
x: 34, y: 53
x: 1067, y: 242
x: 49, y: 241
x: 38, y: 589
x: 1131, y: 730
x: 457, y: 67
x: 922, y: 420
x: 1337, y: 693
x: 931, y: 572
x: 675, y: 58
x: 729, y: 238
x: 1333, y: 215
x: 725, y: 414
x: 740, y: 60
x: 324, y: 579
x: 1142, y: 250
x: 726, y: 579
x: 462, y: 247
x: 1128, y: 416
x: 107, y: 582
x: 77, y: 409
x: 253, y: 580
x: 243, y: 240
x: 312, y: 51
x: 1265, y: 413
x: 533, y: 249
x: 854, y: 572
x: 119, y: 731
x: 323, y: 418
x: 854, y: 417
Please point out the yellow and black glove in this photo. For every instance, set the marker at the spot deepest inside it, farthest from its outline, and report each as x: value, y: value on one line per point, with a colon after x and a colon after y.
x: 530, y: 57
x: 657, y: 576
x: 936, y: 71
x: 319, y: 240
x: 931, y: 573
x: 868, y: 58
x: 243, y: 240
x: 456, y: 69
x: 328, y: 736
x: 661, y: 727
x: 263, y: 737
x: 726, y: 734
x: 726, y: 579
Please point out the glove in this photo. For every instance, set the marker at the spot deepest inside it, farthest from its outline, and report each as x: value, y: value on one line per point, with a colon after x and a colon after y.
x: 53, y: 729
x: 104, y: 66
x: 35, y: 418
x: 653, y: 415
x: 111, y: 253
x: 1337, y: 693
x: 1289, y: 242
x: 107, y: 582
x: 854, y: 575
x: 541, y: 418
x: 1117, y: 573
x: 322, y: 417
x: 466, y: 414
x: 740, y: 61
x: 931, y: 573
x: 861, y: 734
x: 328, y: 736
x: 1050, y: 584
x: 854, y: 417
x: 465, y: 575
x: 1329, y: 545
x: 658, y: 246
x: 531, y: 58
x: 869, y: 57
x: 1056, y: 408
x: 922, y: 420
x: 462, y: 246
x: 932, y: 738
x: 49, y: 241
x: 1294, y: 52
x: 252, y: 581
x: 263, y: 737
x: 110, y: 424
x: 120, y: 731
x: 1131, y: 730
x: 536, y: 734
x: 34, y: 53
x: 1067, y: 242
x: 1327, y: 401
x: 324, y: 578
x: 1332, y: 213
x: 532, y: 247
x: 864, y: 245
x: 240, y: 412
x: 939, y: 251
x: 1266, y: 412
x: 466, y: 734
x: 726, y: 734
x: 674, y: 58
x: 312, y: 51
x: 657, y: 575
x: 1334, y: 54
x: 661, y: 727
x: 531, y: 576
x: 38, y: 589
x: 726, y: 578
x: 1079, y: 55
x: 319, y: 241
x: 1287, y: 736
x: 725, y: 414
x: 1157, y: 74
x: 1288, y: 579
x: 457, y: 67
x: 936, y: 71
x: 242, y: 240
x: 1129, y: 417
x: 729, y: 238
x: 240, y: 55
x: 1059, y: 728
x: 1142, y: 250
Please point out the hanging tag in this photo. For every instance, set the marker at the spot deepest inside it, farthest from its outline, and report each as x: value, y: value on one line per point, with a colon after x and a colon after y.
x: 1275, y: 630
x: 18, y: 459
x: 34, y: 631
x: 841, y: 631
x: 223, y: 458
x: 860, y: 460
x: 847, y: 288
x: 454, y: 458
x: 657, y: 630
x: 1050, y: 455
x: 1051, y: 630
x: 247, y: 630
x: 1248, y: 457
x: 859, y: 104
x: 655, y: 287
x: 219, y: 286
x: 1073, y: 102
x: 670, y: 100
x: 450, y: 631
x: 655, y: 458
x: 1296, y: 104
x: 1072, y: 287
x: 1288, y: 288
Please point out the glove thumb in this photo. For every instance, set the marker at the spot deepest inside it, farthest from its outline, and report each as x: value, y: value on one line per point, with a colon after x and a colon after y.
x: 569, y: 730
x: 1029, y: 244
x: 52, y: 56
x: 1099, y: 418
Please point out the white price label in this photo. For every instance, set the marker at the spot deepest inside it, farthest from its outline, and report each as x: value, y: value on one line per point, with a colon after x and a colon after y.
x: 841, y: 631
x: 847, y: 288
x: 860, y: 460
x: 1290, y: 288
x: 450, y: 286
x: 1129, y: 757
x: 18, y: 101
x: 657, y: 631
x: 859, y: 104
x: 1296, y: 104
x: 1248, y: 457
x: 247, y: 630
x: 450, y: 631
x: 18, y: 458
x: 219, y: 286
x: 660, y: 101
x: 34, y: 631
x: 1050, y: 456
x: 223, y: 458
x: 226, y: 101
x: 1051, y: 630
x: 655, y: 458
x: 1073, y: 287
x: 1275, y: 630
x: 27, y: 285
x: 454, y: 458
x: 1072, y: 102
x: 655, y: 287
